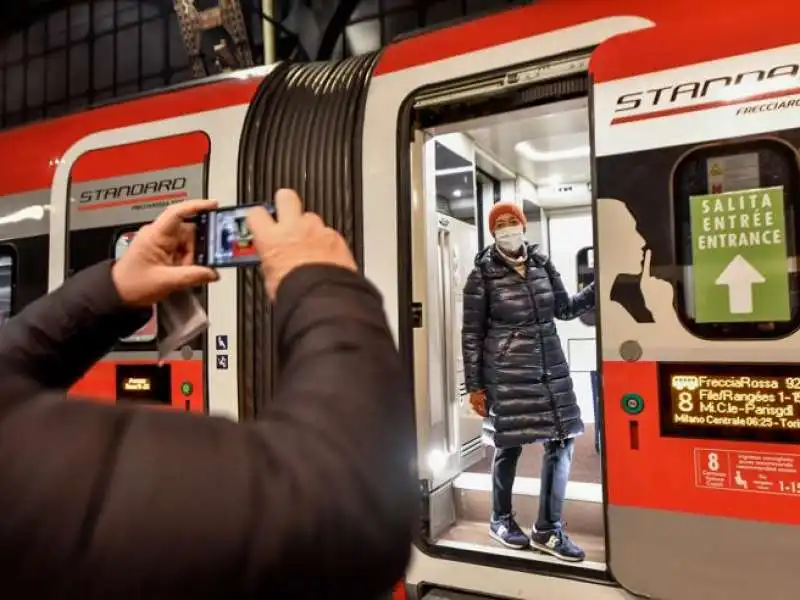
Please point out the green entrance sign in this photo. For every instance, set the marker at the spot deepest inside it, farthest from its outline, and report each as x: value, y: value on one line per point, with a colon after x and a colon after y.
x: 739, y: 258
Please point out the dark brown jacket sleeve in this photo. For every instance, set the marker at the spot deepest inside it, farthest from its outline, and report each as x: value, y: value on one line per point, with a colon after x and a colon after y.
x: 55, y: 340
x: 316, y: 500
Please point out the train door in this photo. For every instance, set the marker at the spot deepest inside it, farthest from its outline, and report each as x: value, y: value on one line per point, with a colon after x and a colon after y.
x: 454, y: 187
x: 697, y: 218
x: 452, y: 223
x: 121, y: 174
x: 523, y: 140
x: 113, y: 192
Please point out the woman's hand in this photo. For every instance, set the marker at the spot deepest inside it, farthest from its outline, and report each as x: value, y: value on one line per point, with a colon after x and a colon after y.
x: 478, y: 402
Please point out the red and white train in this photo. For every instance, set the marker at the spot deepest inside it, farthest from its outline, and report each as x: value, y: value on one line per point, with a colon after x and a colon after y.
x: 691, y: 114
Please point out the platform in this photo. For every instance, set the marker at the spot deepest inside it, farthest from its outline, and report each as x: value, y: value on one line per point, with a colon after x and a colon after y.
x: 583, y: 511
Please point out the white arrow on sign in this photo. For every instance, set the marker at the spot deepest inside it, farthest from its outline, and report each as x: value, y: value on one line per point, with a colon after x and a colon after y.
x: 740, y: 277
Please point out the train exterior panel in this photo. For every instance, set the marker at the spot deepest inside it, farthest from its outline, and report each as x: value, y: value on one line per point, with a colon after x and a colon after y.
x: 705, y: 465
x: 91, y: 176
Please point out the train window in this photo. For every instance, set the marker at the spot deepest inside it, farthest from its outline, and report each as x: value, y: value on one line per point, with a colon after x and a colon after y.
x: 7, y: 266
x: 585, y: 266
x: 736, y: 217
x: 455, y: 195
x: 149, y: 331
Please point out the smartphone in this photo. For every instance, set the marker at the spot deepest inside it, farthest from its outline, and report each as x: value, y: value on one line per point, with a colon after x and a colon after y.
x: 223, y: 238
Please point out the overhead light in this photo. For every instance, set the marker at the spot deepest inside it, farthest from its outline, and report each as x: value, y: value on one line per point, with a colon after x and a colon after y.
x: 457, y: 193
x: 552, y: 180
x: 29, y: 213
x: 528, y: 151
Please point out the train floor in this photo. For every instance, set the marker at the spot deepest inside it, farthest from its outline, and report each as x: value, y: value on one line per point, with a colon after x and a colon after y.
x: 583, y: 512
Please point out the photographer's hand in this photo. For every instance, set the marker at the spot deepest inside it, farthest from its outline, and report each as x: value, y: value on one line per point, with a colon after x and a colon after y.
x: 296, y: 239
x: 160, y: 258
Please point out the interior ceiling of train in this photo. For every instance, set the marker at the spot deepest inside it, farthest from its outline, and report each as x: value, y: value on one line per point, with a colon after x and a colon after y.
x: 548, y: 145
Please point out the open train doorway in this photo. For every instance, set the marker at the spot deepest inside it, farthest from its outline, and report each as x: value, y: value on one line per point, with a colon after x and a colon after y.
x: 538, y: 158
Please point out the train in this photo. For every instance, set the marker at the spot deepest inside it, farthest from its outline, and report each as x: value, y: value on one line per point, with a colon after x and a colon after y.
x: 654, y: 150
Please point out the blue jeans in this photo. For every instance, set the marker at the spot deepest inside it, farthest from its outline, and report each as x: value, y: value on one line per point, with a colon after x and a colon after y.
x: 556, y: 464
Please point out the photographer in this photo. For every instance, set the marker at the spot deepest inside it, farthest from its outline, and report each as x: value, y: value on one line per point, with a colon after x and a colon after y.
x: 315, y: 500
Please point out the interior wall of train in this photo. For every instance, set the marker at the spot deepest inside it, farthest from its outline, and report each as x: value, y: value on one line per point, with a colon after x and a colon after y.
x: 539, y: 159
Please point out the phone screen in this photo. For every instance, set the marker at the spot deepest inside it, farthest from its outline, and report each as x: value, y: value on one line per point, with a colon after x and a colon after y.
x: 224, y: 239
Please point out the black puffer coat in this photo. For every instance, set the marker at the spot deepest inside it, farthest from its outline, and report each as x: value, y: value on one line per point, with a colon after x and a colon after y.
x: 511, y: 348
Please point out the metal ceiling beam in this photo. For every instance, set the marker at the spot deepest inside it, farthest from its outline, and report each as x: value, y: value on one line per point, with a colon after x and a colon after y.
x: 335, y: 28
x: 227, y: 14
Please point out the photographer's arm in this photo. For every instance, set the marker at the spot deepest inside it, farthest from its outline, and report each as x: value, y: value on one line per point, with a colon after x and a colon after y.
x: 315, y: 500
x: 53, y: 342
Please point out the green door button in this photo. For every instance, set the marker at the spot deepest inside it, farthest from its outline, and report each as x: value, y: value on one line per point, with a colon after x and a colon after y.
x: 186, y: 388
x: 632, y: 404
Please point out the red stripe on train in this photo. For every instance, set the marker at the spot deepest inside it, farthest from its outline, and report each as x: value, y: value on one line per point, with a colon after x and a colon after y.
x: 32, y: 152
x: 687, y: 32
x: 151, y: 155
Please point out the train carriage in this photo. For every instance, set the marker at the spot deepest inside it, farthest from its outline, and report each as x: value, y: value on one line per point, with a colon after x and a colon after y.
x: 654, y: 149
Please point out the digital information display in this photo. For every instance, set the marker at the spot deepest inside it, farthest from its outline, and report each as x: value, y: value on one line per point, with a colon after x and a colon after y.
x: 144, y: 383
x: 737, y: 402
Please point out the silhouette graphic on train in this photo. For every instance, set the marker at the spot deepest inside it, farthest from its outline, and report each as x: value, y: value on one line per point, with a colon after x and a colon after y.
x: 633, y: 293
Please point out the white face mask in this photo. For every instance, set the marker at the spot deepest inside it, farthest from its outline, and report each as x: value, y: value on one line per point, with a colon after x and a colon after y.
x: 510, y: 239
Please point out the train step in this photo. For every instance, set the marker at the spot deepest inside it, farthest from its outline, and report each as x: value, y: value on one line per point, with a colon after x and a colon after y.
x: 474, y: 535
x: 583, y: 515
x: 583, y: 510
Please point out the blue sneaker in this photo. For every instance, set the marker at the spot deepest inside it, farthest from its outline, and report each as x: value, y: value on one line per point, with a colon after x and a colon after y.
x: 506, y: 531
x: 557, y: 543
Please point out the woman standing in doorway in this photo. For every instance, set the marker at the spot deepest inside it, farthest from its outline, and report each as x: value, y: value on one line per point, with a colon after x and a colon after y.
x: 518, y: 378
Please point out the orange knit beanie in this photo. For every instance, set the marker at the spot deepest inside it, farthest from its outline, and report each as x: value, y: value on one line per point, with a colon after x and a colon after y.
x: 506, y: 208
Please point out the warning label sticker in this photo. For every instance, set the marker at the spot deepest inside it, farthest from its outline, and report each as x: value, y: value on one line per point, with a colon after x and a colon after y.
x: 747, y: 471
